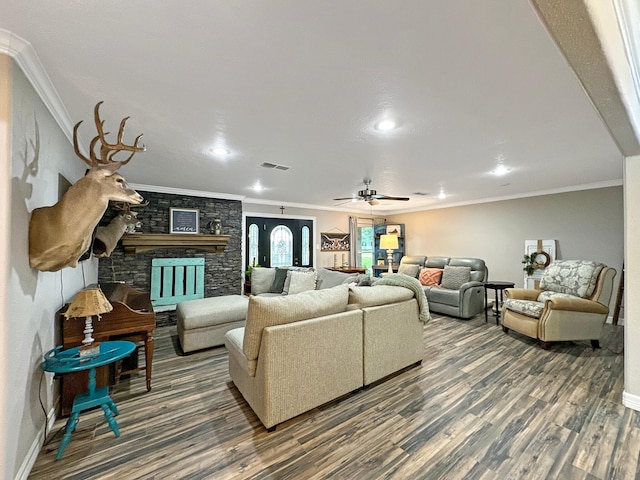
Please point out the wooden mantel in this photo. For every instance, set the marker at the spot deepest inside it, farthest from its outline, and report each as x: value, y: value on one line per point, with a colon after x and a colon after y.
x: 143, y: 242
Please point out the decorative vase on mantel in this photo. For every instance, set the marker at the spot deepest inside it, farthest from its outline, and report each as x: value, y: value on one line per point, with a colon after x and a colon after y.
x: 216, y: 227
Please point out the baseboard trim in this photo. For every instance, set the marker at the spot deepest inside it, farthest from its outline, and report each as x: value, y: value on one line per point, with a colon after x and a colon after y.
x: 631, y: 401
x: 36, y: 446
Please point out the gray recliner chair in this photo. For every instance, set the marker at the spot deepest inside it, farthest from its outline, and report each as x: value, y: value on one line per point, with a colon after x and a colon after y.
x: 465, y: 301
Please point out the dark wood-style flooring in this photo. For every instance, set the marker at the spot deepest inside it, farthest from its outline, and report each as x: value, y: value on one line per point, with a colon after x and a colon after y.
x: 483, y: 405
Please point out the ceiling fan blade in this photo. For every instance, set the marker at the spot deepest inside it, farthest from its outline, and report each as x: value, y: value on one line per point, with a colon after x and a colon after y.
x: 346, y: 198
x: 387, y: 197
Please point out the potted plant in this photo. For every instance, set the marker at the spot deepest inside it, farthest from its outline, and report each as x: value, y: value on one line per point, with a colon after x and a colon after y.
x: 529, y: 262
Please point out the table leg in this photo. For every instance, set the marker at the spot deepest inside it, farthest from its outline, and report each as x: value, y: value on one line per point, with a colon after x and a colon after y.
x: 148, y: 357
x: 108, y: 414
x: 498, y: 292
x: 486, y: 306
x: 72, y: 421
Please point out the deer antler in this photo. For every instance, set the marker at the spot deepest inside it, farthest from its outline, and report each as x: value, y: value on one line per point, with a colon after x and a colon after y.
x: 107, y: 150
x: 126, y: 207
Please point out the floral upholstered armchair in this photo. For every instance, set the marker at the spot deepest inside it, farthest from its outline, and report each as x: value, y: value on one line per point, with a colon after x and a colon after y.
x: 572, y: 303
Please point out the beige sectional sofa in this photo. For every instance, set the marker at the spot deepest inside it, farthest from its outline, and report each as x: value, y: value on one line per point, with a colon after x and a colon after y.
x: 297, y: 352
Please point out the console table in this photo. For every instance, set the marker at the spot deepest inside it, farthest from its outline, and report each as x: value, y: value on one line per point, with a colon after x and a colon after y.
x: 132, y: 318
x: 68, y: 361
x: 347, y: 269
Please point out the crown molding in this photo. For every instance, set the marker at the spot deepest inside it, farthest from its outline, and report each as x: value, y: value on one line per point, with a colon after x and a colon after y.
x: 540, y: 193
x: 25, y: 56
x: 182, y: 191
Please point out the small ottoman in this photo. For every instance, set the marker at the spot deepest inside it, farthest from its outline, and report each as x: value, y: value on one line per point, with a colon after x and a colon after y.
x: 203, y: 323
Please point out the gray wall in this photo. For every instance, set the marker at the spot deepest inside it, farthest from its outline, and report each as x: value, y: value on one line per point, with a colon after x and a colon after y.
x: 587, y: 225
x: 40, y: 154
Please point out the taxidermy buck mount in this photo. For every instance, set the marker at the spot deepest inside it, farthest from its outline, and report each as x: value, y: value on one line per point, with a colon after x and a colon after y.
x: 107, y: 237
x: 61, y: 233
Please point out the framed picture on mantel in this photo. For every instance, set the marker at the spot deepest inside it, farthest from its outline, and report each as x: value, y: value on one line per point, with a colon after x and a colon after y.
x: 184, y: 220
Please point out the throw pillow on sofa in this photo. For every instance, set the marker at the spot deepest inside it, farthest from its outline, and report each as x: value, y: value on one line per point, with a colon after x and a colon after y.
x: 262, y: 279
x: 297, y: 282
x: 430, y: 276
x: 277, y: 286
x: 409, y: 269
x: 454, y: 277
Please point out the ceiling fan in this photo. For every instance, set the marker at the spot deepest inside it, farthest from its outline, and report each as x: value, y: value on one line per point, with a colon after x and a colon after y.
x: 371, y: 196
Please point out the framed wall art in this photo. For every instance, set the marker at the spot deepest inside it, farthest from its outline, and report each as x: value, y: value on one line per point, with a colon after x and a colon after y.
x: 335, y: 242
x: 394, y: 230
x: 184, y: 220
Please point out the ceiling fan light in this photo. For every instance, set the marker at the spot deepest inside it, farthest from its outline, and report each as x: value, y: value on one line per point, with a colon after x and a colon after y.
x: 373, y: 202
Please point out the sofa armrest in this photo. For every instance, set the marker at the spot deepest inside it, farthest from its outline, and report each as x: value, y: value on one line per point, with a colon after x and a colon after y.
x: 522, y: 293
x: 468, y: 285
x: 576, y: 305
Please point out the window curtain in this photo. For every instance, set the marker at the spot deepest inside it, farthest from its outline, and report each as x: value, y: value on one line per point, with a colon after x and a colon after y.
x: 353, y: 231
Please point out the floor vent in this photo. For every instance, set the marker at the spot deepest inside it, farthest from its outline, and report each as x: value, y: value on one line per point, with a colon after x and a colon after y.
x: 274, y: 166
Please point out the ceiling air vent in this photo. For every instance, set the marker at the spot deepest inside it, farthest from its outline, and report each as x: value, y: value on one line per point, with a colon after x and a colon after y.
x: 274, y: 166
x: 423, y: 194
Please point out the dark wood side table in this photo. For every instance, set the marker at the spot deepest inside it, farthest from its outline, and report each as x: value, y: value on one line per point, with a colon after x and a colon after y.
x: 498, y: 288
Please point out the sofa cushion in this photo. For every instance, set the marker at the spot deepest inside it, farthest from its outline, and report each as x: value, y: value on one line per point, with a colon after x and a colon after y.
x: 298, y: 282
x: 409, y: 269
x: 437, y: 262
x: 268, y: 311
x: 261, y: 279
x: 575, y: 277
x: 430, y: 276
x: 443, y: 296
x: 525, y: 307
x: 329, y: 278
x: 547, y: 294
x: 278, y: 280
x: 361, y: 297
x: 454, y: 277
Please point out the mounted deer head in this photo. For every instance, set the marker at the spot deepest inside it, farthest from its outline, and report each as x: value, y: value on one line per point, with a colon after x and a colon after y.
x: 61, y: 233
x: 107, y: 237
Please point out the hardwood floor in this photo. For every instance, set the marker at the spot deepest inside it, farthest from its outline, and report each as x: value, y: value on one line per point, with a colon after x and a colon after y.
x: 483, y: 405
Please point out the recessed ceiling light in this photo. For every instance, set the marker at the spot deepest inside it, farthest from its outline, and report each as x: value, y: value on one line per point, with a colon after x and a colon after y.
x: 385, y: 125
x: 219, y: 151
x: 501, y: 170
x: 257, y: 187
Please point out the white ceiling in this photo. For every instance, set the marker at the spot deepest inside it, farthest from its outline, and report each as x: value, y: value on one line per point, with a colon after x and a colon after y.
x: 301, y: 83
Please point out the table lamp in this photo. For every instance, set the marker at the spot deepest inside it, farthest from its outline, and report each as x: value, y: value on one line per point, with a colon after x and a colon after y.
x: 88, y: 302
x: 390, y: 243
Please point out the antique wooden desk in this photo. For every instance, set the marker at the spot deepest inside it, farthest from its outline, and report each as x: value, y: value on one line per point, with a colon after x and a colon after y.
x: 132, y: 318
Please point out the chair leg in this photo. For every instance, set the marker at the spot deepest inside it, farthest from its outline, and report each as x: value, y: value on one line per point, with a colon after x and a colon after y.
x: 545, y: 345
x: 505, y: 329
x: 595, y: 344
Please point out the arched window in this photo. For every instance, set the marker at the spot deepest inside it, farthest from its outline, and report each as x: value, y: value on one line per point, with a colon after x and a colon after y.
x: 281, y: 247
x: 253, y: 245
x: 305, y: 246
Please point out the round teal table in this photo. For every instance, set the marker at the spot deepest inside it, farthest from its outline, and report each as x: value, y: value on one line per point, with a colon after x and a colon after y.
x: 67, y: 361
